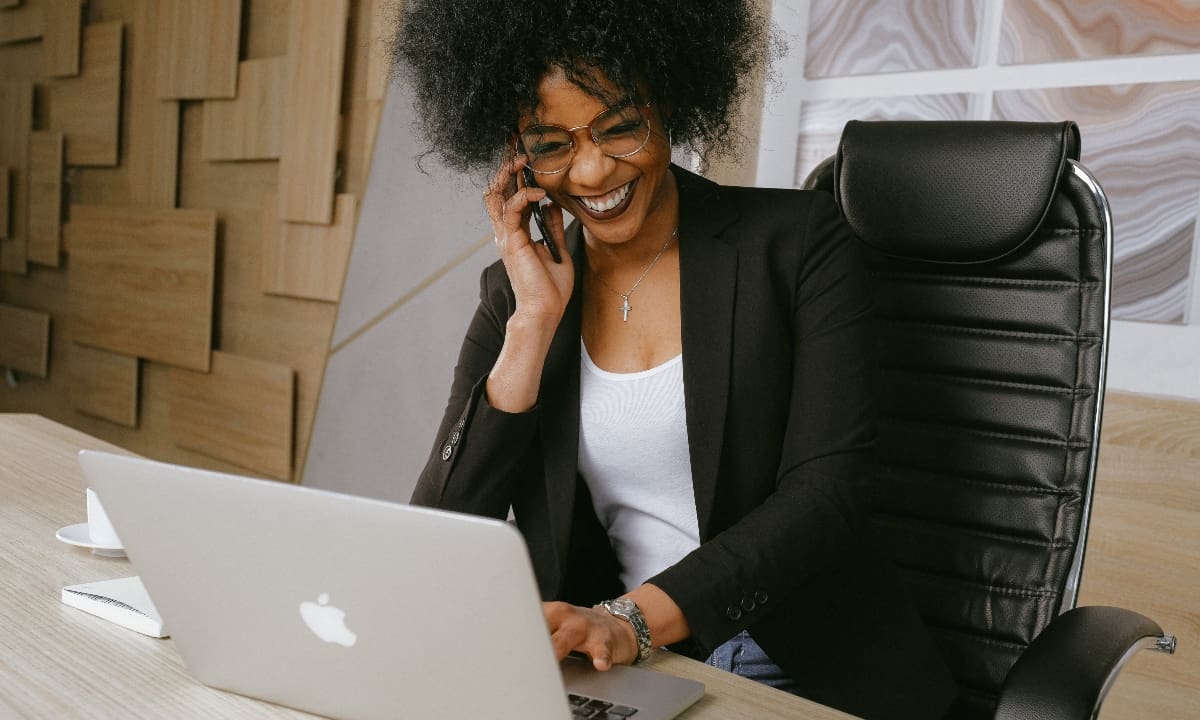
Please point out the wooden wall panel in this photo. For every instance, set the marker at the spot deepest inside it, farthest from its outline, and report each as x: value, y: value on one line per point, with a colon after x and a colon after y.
x: 16, y: 125
x: 152, y: 155
x: 63, y: 20
x: 87, y: 108
x: 240, y: 412
x: 249, y: 126
x: 308, y: 160
x: 5, y: 195
x: 105, y: 384
x: 22, y: 22
x: 305, y: 260
x: 25, y: 340
x: 45, y: 200
x: 198, y: 55
x: 383, y: 15
x: 140, y: 281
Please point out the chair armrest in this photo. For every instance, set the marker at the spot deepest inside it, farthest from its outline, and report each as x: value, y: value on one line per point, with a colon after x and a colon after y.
x: 1066, y: 671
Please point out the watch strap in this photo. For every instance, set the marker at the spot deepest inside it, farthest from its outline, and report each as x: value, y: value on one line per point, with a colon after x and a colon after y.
x: 628, y: 611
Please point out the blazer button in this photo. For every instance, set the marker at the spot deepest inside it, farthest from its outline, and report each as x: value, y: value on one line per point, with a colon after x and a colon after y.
x: 748, y: 604
x: 761, y: 597
x: 733, y: 612
x: 446, y: 451
x: 455, y: 437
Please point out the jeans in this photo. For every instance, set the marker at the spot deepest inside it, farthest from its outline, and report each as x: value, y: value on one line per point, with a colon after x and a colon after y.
x: 742, y: 656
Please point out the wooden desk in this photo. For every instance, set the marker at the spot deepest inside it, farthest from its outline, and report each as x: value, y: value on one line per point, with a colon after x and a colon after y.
x: 59, y: 662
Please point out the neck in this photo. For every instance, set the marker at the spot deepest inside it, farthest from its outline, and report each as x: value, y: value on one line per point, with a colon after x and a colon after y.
x: 608, y: 258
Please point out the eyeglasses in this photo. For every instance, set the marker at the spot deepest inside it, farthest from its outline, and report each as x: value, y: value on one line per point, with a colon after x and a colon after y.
x: 619, y: 132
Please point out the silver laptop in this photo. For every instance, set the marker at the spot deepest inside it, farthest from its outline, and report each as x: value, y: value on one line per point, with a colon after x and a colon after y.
x: 354, y: 608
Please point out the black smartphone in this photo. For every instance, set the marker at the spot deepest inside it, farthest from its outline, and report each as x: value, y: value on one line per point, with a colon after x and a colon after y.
x: 540, y: 219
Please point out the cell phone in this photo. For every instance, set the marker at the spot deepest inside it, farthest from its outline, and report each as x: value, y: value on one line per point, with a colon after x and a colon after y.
x: 540, y: 218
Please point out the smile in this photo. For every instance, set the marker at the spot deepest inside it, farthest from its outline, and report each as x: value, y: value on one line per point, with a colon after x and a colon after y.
x: 610, y: 204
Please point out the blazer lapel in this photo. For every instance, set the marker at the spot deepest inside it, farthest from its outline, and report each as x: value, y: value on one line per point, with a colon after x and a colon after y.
x: 707, y: 296
x: 559, y: 398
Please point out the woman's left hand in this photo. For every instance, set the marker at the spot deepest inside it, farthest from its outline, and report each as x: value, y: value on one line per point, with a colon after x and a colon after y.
x: 606, y: 639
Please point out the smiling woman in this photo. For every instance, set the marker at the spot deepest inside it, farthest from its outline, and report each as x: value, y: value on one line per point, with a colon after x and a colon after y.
x: 678, y: 407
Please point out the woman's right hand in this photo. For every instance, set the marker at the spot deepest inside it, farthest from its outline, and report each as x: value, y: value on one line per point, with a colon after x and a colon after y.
x: 542, y: 286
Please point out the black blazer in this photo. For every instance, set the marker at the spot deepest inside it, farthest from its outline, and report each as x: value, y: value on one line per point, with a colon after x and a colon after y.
x: 779, y: 374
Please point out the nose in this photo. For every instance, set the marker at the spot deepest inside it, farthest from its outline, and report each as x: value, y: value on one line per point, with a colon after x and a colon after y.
x: 590, y: 165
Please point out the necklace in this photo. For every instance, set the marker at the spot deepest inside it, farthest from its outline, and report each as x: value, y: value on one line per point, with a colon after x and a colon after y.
x: 625, y: 306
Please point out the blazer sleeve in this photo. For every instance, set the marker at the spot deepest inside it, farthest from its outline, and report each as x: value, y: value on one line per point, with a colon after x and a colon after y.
x: 811, y: 520
x: 477, y: 449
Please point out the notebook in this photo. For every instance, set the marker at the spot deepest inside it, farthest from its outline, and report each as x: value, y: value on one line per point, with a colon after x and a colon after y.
x: 354, y: 608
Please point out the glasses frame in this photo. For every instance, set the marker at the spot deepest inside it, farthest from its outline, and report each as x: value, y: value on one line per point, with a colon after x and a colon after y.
x: 642, y: 108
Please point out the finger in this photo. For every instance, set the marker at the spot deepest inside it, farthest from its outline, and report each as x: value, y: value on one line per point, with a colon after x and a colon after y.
x: 517, y: 209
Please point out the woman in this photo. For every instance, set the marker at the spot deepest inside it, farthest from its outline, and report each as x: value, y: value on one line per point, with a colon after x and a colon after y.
x: 678, y: 414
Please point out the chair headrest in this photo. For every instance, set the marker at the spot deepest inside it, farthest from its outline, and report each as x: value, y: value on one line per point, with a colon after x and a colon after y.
x: 950, y: 191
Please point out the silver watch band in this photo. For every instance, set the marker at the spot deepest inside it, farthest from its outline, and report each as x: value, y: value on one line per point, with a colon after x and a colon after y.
x: 628, y: 611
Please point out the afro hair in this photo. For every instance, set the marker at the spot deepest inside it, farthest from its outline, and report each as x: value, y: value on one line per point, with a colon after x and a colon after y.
x: 474, y: 65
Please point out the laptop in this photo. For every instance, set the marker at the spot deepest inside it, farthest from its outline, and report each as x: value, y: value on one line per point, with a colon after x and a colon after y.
x: 354, y: 608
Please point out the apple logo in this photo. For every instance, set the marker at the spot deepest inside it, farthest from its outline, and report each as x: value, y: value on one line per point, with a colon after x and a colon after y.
x: 327, y: 621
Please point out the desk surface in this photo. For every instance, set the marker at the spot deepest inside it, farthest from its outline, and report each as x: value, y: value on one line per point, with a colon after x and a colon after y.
x: 56, y: 661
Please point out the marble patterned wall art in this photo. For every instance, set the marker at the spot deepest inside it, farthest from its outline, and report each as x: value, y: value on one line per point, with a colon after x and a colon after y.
x: 821, y: 121
x: 1036, y: 31
x: 881, y: 36
x: 1143, y: 144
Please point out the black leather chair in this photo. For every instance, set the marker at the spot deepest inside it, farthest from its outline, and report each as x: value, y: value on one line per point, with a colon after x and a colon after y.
x: 992, y: 251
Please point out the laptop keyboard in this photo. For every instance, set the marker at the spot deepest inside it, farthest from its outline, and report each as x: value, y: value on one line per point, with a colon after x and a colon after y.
x: 583, y: 706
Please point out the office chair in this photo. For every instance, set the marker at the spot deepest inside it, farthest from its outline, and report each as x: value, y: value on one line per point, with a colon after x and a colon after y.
x: 991, y: 247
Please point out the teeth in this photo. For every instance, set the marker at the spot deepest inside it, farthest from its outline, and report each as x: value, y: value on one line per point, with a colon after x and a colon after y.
x: 606, y: 202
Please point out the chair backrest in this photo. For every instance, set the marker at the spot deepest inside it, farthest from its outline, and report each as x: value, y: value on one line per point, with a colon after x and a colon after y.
x: 991, y: 248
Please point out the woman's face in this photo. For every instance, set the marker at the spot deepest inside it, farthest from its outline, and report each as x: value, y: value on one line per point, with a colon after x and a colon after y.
x: 641, y: 184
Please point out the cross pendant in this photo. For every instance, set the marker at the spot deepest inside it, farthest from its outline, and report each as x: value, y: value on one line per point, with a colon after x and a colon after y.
x: 625, y: 308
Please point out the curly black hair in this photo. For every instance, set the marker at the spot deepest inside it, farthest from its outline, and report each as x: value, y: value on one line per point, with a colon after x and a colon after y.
x: 474, y: 65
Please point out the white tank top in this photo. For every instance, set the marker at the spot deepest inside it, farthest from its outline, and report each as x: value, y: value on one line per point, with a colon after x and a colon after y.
x: 633, y: 455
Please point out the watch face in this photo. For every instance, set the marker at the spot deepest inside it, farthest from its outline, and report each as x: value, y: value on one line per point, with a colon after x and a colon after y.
x: 624, y: 606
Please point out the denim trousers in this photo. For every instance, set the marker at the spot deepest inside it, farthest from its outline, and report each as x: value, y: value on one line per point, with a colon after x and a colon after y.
x: 742, y: 656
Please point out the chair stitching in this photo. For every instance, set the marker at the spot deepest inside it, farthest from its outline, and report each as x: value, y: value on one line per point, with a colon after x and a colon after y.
x: 1010, y: 487
x: 1048, y: 389
x: 963, y: 530
x: 1030, y: 593
x: 958, y: 428
x: 1006, y: 644
x: 979, y: 280
x: 997, y: 333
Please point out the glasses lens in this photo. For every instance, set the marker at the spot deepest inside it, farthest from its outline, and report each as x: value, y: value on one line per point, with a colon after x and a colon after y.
x: 621, y: 131
x: 547, y: 147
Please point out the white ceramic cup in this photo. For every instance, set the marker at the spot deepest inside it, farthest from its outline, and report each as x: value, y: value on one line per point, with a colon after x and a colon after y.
x: 100, y: 528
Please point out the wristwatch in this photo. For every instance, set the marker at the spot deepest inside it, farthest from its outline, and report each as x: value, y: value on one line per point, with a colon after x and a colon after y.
x: 628, y: 611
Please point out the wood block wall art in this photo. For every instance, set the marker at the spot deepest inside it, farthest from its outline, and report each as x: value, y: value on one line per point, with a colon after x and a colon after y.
x: 378, y: 67
x: 87, y: 108
x: 241, y: 412
x: 45, y: 198
x: 25, y: 340
x: 152, y: 157
x: 140, y: 281
x: 5, y: 194
x: 305, y: 260
x: 21, y: 21
x: 198, y: 49
x: 63, y: 25
x: 249, y: 126
x: 104, y: 384
x: 308, y: 156
x: 16, y: 125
